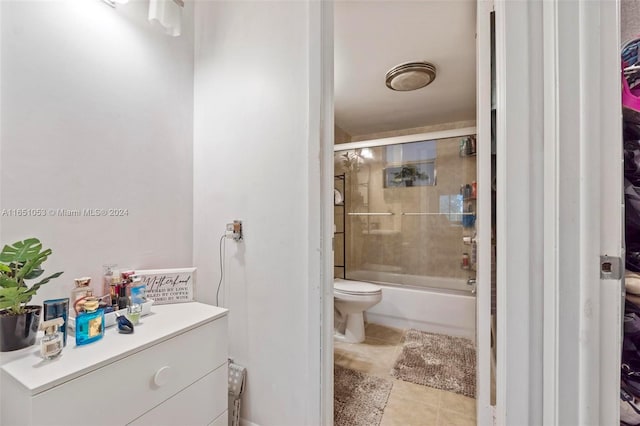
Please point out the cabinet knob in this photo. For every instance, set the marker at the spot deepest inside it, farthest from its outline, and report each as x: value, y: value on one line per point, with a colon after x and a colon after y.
x: 162, y: 376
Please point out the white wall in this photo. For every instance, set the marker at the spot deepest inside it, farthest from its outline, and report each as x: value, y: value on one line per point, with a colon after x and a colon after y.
x: 97, y: 112
x: 253, y: 161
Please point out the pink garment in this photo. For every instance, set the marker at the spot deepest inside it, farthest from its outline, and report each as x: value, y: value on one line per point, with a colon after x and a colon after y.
x: 630, y: 97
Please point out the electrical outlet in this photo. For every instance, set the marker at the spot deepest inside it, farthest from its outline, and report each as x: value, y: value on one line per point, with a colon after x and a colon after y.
x: 235, y: 230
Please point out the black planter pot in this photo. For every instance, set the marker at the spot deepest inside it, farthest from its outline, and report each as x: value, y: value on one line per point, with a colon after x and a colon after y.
x: 19, y: 331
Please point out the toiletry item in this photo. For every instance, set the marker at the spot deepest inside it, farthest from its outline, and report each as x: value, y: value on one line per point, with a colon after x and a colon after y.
x: 467, y: 191
x: 57, y: 308
x: 133, y: 312
x: 123, y: 300
x: 51, y: 343
x: 463, y: 147
x: 138, y: 291
x: 127, y: 278
x: 113, y: 288
x: 81, y: 289
x: 107, y: 278
x: 474, y: 189
x: 468, y: 219
x: 124, y: 325
x: 104, y: 303
x: 137, y: 298
x: 89, y: 322
x: 127, y: 275
x: 465, y: 261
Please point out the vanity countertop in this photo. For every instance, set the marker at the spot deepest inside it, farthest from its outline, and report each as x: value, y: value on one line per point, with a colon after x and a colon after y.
x: 165, y: 321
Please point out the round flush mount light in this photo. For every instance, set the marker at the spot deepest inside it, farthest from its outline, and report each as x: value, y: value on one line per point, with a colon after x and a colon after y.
x: 410, y: 76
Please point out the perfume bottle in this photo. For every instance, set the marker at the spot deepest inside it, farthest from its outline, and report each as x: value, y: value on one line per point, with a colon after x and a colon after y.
x: 115, y: 285
x: 89, y: 323
x: 107, y: 279
x: 52, y: 342
x: 57, y: 308
x: 81, y: 289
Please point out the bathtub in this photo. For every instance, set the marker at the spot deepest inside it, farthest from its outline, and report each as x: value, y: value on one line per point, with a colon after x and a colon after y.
x: 423, y: 305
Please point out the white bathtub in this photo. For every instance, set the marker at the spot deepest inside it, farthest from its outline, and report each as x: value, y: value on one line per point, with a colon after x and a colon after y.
x: 451, y: 312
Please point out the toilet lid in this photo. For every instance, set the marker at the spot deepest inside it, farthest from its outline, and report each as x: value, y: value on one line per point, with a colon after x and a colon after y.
x: 355, y: 287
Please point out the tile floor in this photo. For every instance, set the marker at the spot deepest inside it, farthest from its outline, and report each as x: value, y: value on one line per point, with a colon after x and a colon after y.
x: 409, y: 404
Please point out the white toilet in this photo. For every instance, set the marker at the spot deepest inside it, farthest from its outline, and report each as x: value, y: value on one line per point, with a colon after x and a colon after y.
x: 351, y: 299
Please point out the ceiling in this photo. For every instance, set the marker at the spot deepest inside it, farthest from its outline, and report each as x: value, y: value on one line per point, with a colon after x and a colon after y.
x: 371, y: 37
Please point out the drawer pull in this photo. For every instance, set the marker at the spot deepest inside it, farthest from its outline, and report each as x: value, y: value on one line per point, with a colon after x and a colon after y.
x: 162, y: 376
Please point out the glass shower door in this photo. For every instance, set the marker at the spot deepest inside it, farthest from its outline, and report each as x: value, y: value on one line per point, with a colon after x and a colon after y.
x: 410, y: 213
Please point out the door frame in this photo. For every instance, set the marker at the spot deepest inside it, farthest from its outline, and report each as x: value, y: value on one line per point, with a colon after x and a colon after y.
x: 548, y: 371
x: 322, y: 15
x: 584, y: 212
x: 484, y: 409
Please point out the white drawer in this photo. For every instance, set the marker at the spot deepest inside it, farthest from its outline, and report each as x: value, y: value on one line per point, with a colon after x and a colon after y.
x: 124, y: 390
x: 198, y: 404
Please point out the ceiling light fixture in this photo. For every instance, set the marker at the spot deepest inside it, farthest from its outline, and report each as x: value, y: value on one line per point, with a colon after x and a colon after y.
x: 410, y: 76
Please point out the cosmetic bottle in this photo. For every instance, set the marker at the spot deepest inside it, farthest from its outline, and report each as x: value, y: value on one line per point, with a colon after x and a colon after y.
x: 137, y: 298
x: 57, y: 308
x: 107, y: 278
x: 89, y: 323
x: 115, y: 285
x: 123, y: 300
x: 51, y: 343
x: 82, y: 289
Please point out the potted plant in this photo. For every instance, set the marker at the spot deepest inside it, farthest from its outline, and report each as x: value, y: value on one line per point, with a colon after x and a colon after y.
x: 408, y: 175
x: 19, y: 263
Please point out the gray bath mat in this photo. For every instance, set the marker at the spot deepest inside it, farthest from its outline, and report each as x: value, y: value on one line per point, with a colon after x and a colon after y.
x: 359, y: 398
x: 438, y: 361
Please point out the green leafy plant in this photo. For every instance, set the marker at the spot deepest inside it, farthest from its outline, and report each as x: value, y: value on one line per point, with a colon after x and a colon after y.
x: 409, y: 174
x: 20, y: 262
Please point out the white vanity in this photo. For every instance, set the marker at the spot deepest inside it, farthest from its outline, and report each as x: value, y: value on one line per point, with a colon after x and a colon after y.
x: 171, y: 371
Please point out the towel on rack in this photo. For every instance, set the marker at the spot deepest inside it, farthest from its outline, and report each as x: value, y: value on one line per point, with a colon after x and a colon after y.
x: 168, y: 13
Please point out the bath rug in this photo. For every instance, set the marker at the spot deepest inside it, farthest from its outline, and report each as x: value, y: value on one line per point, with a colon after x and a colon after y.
x: 438, y: 361
x: 359, y: 398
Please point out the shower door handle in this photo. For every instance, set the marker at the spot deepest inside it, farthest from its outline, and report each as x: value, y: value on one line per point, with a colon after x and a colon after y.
x: 435, y: 214
x: 371, y: 214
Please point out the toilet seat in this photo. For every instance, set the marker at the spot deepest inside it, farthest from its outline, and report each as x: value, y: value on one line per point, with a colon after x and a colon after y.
x: 355, y: 288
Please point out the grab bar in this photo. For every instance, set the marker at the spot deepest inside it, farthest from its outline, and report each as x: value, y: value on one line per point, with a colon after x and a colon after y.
x: 371, y: 214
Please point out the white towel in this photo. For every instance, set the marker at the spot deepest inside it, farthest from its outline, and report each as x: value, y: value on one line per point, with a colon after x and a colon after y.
x: 168, y: 14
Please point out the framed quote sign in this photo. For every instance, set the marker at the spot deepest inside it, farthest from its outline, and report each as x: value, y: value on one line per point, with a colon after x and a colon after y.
x: 166, y: 286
